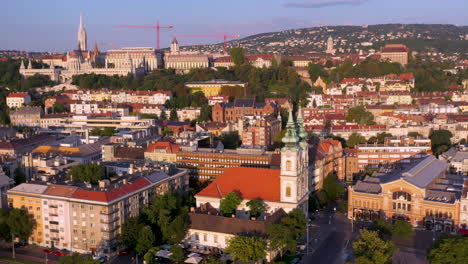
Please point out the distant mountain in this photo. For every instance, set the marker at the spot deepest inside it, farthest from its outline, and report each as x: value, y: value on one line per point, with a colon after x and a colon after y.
x: 448, y: 39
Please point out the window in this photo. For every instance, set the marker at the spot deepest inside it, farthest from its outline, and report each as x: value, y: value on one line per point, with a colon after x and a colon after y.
x: 288, y: 191
x: 205, y: 237
x: 288, y: 165
x: 215, y: 238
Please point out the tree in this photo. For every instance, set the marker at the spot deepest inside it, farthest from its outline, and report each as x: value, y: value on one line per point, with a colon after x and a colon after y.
x: 173, y: 115
x: 440, y: 140
x: 358, y: 114
x: 355, y: 139
x: 449, y: 250
x: 168, y: 214
x: 414, y: 134
x: 402, y: 229
x: 177, y: 254
x: 231, y: 140
x: 214, y: 260
x: 130, y: 232
x: 332, y: 188
x: 145, y: 241
x: 58, y: 108
x: 237, y: 55
x: 76, y: 258
x: 205, y: 113
x: 5, y: 233
x: 256, y: 207
x: 20, y: 177
x: 163, y: 115
x: 246, y: 249
x: 229, y: 203
x: 281, y: 239
x: 20, y: 224
x: 88, y: 172
x: 370, y: 248
x: 382, y: 226
x: 296, y: 222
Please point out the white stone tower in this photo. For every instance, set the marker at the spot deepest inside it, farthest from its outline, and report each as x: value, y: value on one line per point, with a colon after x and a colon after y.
x: 330, y: 49
x: 82, y: 41
x: 294, y: 164
x: 175, y: 46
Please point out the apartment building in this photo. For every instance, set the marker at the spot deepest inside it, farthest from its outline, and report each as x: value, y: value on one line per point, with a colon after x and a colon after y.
x: 395, y: 151
x: 395, y: 53
x: 26, y: 116
x: 86, y: 218
x: 241, y: 108
x: 207, y: 163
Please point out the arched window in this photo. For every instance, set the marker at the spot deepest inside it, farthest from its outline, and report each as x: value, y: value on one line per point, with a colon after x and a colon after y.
x: 288, y: 191
x: 288, y: 165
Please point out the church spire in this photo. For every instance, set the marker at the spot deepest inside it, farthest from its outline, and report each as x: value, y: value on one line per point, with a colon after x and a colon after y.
x: 22, y: 65
x: 300, y: 127
x: 82, y: 35
x: 290, y: 139
x: 30, y: 64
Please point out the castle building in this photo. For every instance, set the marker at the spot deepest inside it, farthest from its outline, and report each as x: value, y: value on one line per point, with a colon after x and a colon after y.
x: 286, y: 188
x: 145, y: 58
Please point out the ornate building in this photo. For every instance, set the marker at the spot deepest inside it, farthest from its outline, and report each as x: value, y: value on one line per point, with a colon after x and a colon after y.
x: 422, y: 194
x: 82, y: 40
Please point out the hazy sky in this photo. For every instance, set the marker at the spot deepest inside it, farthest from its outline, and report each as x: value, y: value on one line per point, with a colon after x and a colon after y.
x: 51, y: 25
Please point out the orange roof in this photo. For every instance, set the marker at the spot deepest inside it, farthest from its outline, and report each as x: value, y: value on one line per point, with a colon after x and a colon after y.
x: 60, y: 190
x: 250, y: 183
x: 57, y: 150
x: 168, y: 146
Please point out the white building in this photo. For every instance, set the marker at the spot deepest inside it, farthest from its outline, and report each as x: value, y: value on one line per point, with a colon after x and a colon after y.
x: 17, y: 100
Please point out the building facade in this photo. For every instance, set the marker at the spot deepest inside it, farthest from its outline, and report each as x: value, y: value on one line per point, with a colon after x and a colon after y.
x: 17, y: 100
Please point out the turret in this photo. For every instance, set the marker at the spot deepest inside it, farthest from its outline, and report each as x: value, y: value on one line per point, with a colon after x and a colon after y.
x: 290, y: 139
x: 22, y: 65
x: 174, y: 46
x: 30, y: 64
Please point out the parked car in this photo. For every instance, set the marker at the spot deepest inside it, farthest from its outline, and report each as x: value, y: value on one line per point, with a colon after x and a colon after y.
x: 47, y: 251
x: 58, y: 253
x: 123, y: 253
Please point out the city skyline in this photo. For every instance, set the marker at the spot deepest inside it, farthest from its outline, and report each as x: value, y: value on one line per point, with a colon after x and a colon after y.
x: 35, y: 28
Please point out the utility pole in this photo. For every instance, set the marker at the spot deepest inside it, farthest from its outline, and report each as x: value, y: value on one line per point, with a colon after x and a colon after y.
x: 13, y: 243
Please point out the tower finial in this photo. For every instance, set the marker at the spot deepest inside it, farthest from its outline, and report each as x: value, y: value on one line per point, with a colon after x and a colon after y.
x: 290, y: 139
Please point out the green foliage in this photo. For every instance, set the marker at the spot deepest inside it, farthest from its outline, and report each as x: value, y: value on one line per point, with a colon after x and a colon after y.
x: 296, y: 223
x: 20, y: 224
x: 256, y: 207
x: 150, y: 255
x: 370, y: 67
x: 440, y: 141
x: 283, y: 236
x: 229, y: 203
x: 237, y: 55
x: 88, y: 172
x: 235, y: 91
x: 5, y: 233
x: 332, y: 187
x: 214, y: 260
x: 20, y: 177
x: 231, y: 140
x: 317, y: 70
x: 173, y: 115
x: 246, y: 249
x: 103, y: 132
x: 145, y: 240
x: 58, y: 108
x: 163, y: 115
x: 414, y: 134
x: 381, y: 226
x: 355, y: 139
x: 168, y: 214
x: 76, y: 258
x: 205, y: 113
x: 130, y: 232
x: 358, y: 114
x: 370, y: 248
x: 380, y: 139
x: 402, y: 229
x: 450, y: 250
x: 178, y: 255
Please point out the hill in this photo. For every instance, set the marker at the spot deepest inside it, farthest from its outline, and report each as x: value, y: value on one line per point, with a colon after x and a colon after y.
x: 447, y: 39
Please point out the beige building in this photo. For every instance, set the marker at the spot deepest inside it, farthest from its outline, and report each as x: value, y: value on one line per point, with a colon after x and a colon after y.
x: 26, y: 116
x: 145, y: 58
x: 395, y: 53
x: 185, y: 62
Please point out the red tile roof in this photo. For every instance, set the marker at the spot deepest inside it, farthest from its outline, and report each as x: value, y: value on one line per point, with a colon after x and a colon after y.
x: 168, y: 146
x: 251, y: 183
x: 22, y: 95
x: 112, y: 194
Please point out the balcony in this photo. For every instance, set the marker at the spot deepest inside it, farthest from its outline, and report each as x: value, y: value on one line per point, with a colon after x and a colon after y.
x: 55, y: 238
x: 109, y: 212
x: 54, y: 230
x: 109, y: 220
x: 111, y: 229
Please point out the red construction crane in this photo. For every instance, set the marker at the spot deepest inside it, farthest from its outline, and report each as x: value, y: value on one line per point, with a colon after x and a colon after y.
x: 225, y: 37
x: 157, y: 27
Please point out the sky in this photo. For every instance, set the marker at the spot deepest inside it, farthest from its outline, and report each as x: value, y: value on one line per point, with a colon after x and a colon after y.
x: 51, y: 25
